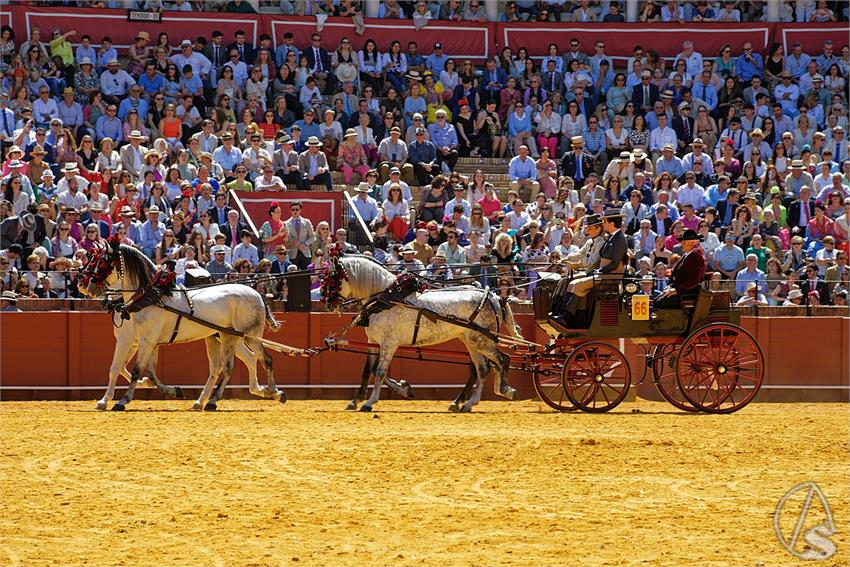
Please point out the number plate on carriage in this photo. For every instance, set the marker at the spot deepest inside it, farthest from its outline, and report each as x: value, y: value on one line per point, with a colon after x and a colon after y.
x: 640, y: 308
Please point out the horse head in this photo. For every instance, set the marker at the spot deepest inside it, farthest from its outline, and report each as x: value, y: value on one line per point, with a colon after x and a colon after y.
x: 103, y: 269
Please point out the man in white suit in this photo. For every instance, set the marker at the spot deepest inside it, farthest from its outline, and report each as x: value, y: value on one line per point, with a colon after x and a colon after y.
x: 301, y: 235
x: 133, y: 154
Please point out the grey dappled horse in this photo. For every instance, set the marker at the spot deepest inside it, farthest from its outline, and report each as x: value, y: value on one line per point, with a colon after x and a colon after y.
x: 394, y: 327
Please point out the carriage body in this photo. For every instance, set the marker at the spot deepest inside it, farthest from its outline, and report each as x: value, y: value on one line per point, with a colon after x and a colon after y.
x: 699, y: 356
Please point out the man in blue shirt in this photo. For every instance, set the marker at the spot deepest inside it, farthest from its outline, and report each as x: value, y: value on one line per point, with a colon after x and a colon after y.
x: 415, y: 62
x: 85, y: 50
x: 436, y: 62
x: 108, y: 126
x: 523, y: 172
x: 134, y: 101
x: 668, y: 162
x: 750, y: 273
x: 152, y: 231
x: 227, y: 156
x: 797, y: 62
x: 748, y: 64
x: 704, y: 91
x: 728, y: 259
x: 423, y: 155
x: 444, y: 137
x: 151, y: 81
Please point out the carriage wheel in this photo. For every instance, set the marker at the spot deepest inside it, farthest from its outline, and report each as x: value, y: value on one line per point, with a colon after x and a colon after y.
x: 664, y: 374
x: 720, y: 368
x: 596, y: 377
x: 548, y: 383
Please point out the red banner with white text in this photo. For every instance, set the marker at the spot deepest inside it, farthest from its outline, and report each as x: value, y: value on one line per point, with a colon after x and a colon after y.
x: 316, y: 206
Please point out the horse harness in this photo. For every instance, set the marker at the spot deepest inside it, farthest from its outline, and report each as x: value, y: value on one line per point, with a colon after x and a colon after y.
x: 397, y: 294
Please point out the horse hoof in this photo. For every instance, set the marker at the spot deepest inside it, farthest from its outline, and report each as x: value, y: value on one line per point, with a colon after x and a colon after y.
x: 196, y: 407
x: 408, y: 389
x: 365, y: 409
x: 100, y: 406
x: 282, y: 398
x: 351, y: 406
x: 509, y: 392
x: 211, y: 406
x: 466, y: 409
x: 454, y: 408
x: 118, y: 407
x: 178, y: 392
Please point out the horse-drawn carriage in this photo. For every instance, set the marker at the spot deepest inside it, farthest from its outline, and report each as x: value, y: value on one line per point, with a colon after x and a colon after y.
x: 701, y: 359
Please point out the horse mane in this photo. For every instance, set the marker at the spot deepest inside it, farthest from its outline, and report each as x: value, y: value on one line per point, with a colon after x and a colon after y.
x: 138, y: 268
x: 366, y: 276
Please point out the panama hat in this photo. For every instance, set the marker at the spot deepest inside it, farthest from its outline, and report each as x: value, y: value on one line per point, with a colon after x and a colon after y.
x: 577, y: 141
x: 127, y: 211
x: 363, y: 188
x: 795, y: 294
x: 346, y: 72
x: 143, y: 35
x: 313, y: 141
x: 154, y: 210
x: 70, y: 167
x: 9, y: 296
x: 612, y: 214
x: 219, y: 249
x: 350, y: 133
x: 136, y: 135
x: 408, y: 249
x: 797, y: 164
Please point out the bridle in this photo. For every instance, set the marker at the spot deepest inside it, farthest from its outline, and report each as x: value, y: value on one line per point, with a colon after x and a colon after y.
x: 331, y: 279
x: 105, y: 259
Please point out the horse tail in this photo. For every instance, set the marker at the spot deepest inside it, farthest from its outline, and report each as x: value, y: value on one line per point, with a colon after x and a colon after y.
x: 510, y: 322
x: 273, y: 323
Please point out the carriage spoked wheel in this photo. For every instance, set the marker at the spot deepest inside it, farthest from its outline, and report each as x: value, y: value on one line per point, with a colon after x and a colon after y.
x: 596, y: 377
x: 548, y: 383
x: 664, y: 375
x: 720, y: 368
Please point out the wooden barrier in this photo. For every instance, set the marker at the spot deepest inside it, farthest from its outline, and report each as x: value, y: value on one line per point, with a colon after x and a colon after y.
x: 66, y: 355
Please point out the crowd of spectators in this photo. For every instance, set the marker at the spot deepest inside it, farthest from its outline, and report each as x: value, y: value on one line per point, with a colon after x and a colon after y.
x: 749, y: 149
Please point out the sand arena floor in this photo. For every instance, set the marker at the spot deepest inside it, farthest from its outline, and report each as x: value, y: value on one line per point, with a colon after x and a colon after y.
x: 308, y: 484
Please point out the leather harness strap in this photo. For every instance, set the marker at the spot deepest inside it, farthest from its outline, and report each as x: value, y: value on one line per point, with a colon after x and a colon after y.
x: 416, y: 326
x: 176, y: 329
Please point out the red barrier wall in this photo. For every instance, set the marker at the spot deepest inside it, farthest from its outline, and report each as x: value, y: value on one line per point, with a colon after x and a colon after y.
x: 459, y: 39
x: 316, y: 205
x: 806, y: 358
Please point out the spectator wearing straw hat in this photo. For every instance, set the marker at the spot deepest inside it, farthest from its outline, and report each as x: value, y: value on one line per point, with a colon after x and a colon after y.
x: 577, y: 164
x: 313, y: 165
x: 9, y: 302
x: 152, y: 231
x: 218, y: 267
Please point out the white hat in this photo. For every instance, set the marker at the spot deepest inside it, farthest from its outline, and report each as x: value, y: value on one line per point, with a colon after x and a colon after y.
x: 313, y: 141
x: 363, y: 188
x: 70, y: 167
x: 795, y: 294
x: 85, y: 61
x: 219, y: 249
x: 154, y: 210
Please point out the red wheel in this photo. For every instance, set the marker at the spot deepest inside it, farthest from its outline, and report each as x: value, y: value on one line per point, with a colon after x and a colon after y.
x: 596, y: 377
x: 664, y: 374
x: 720, y: 368
x: 548, y: 383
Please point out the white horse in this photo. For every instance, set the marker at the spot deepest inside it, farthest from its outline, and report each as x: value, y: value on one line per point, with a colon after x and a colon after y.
x: 360, y: 278
x: 233, y: 306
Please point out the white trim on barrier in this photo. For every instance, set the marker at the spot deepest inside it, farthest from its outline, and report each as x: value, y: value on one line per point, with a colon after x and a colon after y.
x: 281, y: 200
x: 786, y: 31
x: 123, y: 18
x: 411, y: 28
x: 638, y: 29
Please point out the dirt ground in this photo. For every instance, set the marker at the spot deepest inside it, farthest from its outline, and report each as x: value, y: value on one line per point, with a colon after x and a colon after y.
x: 309, y: 484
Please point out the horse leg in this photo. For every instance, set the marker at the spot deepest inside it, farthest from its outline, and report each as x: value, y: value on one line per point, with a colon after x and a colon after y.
x: 502, y: 363
x: 464, y: 394
x: 124, y: 373
x: 170, y: 391
x: 384, y: 359
x: 368, y: 370
x: 124, y: 351
x: 481, y: 368
x: 214, y: 359
x: 262, y: 356
x: 146, y: 350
